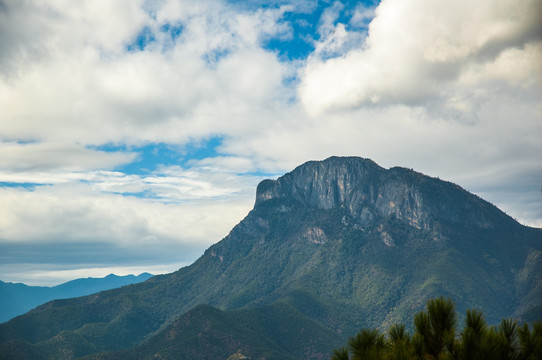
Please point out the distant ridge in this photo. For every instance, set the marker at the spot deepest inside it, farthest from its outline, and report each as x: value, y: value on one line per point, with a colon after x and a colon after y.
x: 342, y: 243
x: 18, y: 298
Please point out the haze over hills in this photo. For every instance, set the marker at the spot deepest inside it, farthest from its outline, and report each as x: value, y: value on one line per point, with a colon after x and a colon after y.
x: 342, y: 243
x: 17, y: 298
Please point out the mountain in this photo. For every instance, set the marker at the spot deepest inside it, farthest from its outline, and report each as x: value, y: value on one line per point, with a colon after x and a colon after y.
x: 16, y: 298
x: 343, y: 242
x: 277, y: 331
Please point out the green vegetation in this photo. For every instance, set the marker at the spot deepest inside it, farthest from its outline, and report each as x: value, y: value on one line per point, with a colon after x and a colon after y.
x: 274, y: 332
x: 436, y: 338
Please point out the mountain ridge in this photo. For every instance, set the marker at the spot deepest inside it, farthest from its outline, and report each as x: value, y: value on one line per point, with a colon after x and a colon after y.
x: 365, y: 174
x: 18, y: 298
x: 208, y: 332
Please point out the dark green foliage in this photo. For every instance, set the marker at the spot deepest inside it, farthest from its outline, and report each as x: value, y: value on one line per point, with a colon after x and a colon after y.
x: 437, y: 326
x: 530, y: 341
x: 367, y: 344
x: 20, y: 350
x: 340, y: 354
x: 273, y: 332
x: 399, y: 343
x: 507, y: 332
x: 471, y: 337
x: 435, y: 337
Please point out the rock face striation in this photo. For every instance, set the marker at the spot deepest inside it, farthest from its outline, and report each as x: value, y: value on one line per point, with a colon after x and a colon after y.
x: 365, y: 191
x: 343, y: 243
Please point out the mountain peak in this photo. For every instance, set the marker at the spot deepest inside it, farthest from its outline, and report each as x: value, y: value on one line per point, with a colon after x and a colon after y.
x: 323, y: 184
x: 364, y: 191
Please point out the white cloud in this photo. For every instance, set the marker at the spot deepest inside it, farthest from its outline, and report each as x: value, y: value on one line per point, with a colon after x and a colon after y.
x: 176, y: 205
x: 75, y: 214
x: 234, y: 164
x: 334, y: 40
x: 328, y: 18
x: 362, y: 15
x: 415, y: 52
x: 85, y: 87
x: 516, y: 66
x: 17, y: 158
x: 33, y: 32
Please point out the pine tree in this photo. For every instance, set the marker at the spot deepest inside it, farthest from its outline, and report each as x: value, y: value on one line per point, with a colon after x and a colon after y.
x: 435, y: 338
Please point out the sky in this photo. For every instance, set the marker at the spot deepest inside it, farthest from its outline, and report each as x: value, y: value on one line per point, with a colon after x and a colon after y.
x: 133, y: 133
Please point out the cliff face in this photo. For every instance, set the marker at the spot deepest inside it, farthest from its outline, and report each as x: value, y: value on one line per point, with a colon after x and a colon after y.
x: 326, y: 185
x: 365, y: 191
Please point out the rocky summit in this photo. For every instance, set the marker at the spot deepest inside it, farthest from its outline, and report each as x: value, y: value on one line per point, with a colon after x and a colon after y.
x: 329, y: 248
x: 364, y: 191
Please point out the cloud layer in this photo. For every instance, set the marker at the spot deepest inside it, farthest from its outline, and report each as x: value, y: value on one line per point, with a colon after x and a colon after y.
x: 88, y: 89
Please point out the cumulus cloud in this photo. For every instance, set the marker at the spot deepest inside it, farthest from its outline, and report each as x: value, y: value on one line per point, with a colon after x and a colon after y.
x: 35, y: 32
x: 174, y: 85
x: 415, y: 53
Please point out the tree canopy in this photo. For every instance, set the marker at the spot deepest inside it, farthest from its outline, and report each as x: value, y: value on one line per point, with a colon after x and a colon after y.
x: 436, y: 337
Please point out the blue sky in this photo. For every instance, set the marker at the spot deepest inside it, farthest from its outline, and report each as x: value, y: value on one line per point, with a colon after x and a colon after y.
x: 133, y: 134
